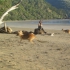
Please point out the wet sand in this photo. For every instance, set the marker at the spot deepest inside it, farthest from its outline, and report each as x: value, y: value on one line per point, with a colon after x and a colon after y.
x: 47, y: 52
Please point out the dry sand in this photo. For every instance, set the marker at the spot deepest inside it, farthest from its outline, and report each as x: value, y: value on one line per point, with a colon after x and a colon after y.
x: 47, y: 52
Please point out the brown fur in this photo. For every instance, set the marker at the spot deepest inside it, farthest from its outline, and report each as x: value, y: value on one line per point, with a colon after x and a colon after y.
x: 37, y: 31
x: 66, y: 31
x: 26, y: 35
x: 9, y: 30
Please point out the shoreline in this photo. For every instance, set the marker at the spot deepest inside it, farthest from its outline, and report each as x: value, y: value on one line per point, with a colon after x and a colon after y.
x: 46, y: 27
x: 56, y: 24
x: 34, y: 26
x: 35, y: 20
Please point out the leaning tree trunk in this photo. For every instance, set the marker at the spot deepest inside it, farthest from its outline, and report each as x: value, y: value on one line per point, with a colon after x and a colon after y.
x: 5, y: 27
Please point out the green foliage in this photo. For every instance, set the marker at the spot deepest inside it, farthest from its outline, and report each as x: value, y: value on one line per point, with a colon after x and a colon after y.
x: 61, y: 4
x: 31, y: 10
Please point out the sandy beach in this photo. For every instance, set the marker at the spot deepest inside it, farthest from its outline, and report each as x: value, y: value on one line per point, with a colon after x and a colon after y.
x: 47, y: 52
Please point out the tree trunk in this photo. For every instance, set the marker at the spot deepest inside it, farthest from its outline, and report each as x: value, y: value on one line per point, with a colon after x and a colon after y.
x: 5, y: 27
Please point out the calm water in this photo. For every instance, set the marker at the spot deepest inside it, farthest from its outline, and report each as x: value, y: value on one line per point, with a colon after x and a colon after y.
x: 47, y: 24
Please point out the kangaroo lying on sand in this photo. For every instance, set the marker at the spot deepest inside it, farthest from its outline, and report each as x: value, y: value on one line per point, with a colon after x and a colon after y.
x: 26, y: 35
x: 66, y: 31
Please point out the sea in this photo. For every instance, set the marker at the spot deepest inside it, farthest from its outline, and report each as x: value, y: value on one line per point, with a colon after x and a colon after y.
x: 56, y: 24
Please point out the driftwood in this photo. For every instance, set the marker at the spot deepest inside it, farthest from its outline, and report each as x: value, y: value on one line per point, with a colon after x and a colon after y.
x: 5, y: 29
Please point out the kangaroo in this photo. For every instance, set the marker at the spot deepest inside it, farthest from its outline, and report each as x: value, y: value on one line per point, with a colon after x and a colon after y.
x: 26, y: 35
x: 66, y: 31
